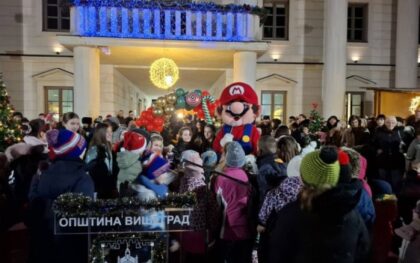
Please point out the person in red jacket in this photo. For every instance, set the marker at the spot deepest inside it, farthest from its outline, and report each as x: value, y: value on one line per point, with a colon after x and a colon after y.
x: 239, y: 109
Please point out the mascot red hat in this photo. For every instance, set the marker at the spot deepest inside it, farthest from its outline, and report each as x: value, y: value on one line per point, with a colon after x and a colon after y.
x: 239, y: 91
x: 238, y: 111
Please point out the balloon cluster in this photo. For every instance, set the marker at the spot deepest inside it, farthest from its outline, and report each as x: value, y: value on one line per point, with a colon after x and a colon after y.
x: 201, y: 102
x: 151, y: 121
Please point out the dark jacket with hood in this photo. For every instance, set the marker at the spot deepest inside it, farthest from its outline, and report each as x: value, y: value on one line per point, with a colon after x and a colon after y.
x: 332, y: 231
x: 270, y: 174
x: 63, y: 176
x: 102, y: 167
x: 23, y: 168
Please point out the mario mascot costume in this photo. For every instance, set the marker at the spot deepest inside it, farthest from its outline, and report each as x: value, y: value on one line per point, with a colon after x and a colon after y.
x: 238, y: 111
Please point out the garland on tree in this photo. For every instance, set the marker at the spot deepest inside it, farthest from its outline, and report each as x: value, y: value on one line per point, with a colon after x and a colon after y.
x: 10, y: 131
x: 75, y: 204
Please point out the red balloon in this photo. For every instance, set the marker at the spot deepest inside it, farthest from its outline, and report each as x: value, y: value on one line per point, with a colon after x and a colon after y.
x: 158, y: 122
x: 149, y: 116
x: 196, y: 109
x: 145, y: 122
x: 205, y: 93
x: 150, y: 127
x: 159, y: 128
x: 200, y: 114
x: 143, y: 114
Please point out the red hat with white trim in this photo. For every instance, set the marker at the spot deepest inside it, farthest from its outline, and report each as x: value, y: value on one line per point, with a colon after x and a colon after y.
x: 239, y: 91
x: 134, y: 142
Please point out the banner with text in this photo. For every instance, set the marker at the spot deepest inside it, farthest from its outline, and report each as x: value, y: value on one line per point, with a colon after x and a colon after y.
x: 168, y: 220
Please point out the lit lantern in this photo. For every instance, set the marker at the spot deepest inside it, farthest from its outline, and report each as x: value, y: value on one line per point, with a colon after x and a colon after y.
x: 164, y: 73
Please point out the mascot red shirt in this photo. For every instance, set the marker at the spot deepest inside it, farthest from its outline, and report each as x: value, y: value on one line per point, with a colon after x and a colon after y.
x: 239, y: 109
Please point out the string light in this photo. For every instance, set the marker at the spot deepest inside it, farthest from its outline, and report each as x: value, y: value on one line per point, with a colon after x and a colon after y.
x: 158, y: 20
x: 164, y: 73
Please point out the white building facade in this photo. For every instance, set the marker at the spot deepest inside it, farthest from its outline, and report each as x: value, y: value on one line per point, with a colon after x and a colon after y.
x: 94, y: 60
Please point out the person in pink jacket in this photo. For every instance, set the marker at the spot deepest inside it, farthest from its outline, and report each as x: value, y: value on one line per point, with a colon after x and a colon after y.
x: 236, y: 240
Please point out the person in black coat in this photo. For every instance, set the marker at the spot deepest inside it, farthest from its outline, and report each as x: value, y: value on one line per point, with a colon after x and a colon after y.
x: 67, y: 173
x: 323, y: 224
x: 25, y: 160
x: 101, y: 162
x: 270, y: 172
x: 389, y: 159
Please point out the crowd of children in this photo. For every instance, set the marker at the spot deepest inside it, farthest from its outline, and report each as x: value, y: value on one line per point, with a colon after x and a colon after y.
x: 342, y: 194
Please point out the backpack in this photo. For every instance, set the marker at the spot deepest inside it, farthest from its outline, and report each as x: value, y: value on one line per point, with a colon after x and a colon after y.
x: 253, y: 197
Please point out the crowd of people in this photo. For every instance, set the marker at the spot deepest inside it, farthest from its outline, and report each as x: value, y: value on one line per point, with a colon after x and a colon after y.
x: 348, y: 192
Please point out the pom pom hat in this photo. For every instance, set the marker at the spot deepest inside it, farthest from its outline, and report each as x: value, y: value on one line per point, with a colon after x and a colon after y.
x: 235, y: 155
x: 239, y: 91
x: 67, y: 144
x: 321, y: 168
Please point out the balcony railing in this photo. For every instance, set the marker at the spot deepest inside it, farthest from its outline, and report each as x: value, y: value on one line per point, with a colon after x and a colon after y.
x: 142, y: 19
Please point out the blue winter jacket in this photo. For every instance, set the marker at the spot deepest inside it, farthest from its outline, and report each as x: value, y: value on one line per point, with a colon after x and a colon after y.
x: 366, y: 209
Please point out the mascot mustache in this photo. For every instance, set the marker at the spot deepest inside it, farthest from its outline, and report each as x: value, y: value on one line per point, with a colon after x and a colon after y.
x: 237, y: 116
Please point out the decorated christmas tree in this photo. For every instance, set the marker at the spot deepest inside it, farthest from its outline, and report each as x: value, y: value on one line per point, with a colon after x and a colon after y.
x: 10, y: 131
x: 316, y: 119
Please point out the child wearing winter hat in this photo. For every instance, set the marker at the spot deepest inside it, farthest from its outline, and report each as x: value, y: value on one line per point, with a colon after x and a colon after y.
x: 193, y: 243
x: 67, y: 173
x: 236, y: 240
x: 350, y: 167
x: 322, y: 225
x: 129, y: 161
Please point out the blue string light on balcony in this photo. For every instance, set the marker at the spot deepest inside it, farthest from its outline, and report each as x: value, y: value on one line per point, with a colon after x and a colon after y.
x: 177, y: 20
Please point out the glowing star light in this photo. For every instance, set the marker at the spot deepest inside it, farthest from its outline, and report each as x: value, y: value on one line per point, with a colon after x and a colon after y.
x: 164, y: 73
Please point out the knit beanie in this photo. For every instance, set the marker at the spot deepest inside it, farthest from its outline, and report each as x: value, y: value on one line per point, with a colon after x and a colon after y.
x: 114, y: 120
x: 320, y: 168
x: 86, y: 120
x: 67, y: 144
x: 209, y: 158
x: 192, y: 156
x: 235, y: 155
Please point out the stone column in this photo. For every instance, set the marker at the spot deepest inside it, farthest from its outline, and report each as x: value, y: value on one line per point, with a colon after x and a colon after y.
x: 245, y: 67
x: 334, y: 74
x: 407, y: 44
x: 86, y: 81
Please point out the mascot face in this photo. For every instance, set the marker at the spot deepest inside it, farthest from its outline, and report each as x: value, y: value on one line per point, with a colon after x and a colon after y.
x: 238, y: 113
x: 239, y: 105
